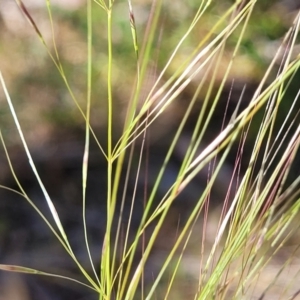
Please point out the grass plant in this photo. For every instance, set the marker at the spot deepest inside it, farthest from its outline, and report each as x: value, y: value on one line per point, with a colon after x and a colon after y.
x: 258, y: 214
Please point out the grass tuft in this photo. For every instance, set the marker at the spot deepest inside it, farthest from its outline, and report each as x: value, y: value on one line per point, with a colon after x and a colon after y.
x: 235, y: 225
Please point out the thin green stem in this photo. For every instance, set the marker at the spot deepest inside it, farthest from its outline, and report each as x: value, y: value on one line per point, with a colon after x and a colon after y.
x: 106, y: 275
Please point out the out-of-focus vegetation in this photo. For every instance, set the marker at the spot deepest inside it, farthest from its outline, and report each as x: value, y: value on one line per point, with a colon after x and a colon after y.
x: 40, y: 95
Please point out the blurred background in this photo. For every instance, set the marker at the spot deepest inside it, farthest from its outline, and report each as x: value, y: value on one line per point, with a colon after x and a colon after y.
x: 54, y: 127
